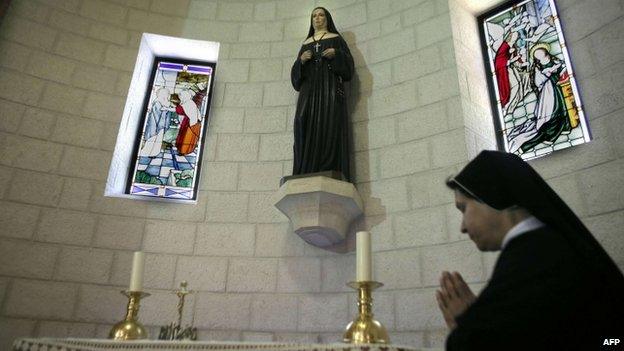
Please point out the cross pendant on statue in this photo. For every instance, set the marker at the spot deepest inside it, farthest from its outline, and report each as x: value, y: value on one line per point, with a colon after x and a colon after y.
x: 317, y: 46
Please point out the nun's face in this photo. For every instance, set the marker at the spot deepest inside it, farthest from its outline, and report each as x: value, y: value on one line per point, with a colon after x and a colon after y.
x: 484, y: 224
x: 319, y: 20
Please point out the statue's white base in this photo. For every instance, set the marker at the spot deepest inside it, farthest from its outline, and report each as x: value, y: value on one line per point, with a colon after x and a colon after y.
x: 321, y: 209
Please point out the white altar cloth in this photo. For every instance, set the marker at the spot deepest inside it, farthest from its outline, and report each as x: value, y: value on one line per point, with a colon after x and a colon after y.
x: 71, y: 344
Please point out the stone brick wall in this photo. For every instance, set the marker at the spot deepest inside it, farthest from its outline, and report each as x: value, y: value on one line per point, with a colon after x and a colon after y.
x: 65, y: 250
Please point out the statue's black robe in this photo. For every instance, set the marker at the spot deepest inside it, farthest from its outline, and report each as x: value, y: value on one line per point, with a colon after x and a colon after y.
x: 540, y: 297
x: 321, y: 126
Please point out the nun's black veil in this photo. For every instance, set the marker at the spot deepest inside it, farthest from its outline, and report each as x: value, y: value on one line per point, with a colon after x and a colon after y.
x: 502, y: 180
x: 331, y: 27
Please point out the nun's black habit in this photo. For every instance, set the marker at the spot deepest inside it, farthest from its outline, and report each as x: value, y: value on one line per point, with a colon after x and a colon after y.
x: 552, y: 288
x: 321, y: 124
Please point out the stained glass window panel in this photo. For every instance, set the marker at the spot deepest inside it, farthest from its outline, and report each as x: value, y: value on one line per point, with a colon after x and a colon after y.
x: 169, y: 148
x: 532, y: 86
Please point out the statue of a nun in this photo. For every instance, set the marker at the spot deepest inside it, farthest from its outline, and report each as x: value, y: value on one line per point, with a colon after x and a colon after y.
x: 321, y: 125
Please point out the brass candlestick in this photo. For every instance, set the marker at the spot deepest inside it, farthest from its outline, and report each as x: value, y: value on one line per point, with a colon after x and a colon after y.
x: 130, y: 328
x: 364, y: 329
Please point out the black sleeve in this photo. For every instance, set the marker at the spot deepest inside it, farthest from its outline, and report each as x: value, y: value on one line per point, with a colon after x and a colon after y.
x: 296, y: 73
x: 343, y: 61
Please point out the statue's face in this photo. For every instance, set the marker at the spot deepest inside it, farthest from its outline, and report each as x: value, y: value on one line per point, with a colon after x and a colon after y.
x: 319, y: 20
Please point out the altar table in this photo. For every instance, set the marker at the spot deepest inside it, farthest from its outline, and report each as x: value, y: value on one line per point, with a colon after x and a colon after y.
x: 71, y: 344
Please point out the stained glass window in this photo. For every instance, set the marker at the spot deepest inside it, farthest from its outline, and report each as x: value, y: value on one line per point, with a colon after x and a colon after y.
x: 532, y: 86
x: 169, y: 147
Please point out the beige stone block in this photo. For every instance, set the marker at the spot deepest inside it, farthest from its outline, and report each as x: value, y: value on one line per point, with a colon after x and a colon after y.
x: 29, y: 33
x: 219, y: 94
x: 108, y: 138
x: 234, y: 12
x: 120, y: 58
x: 119, y: 233
x: 366, y: 166
x: 30, y: 10
x: 13, y: 328
x: 437, y: 86
x: 219, y: 176
x: 385, y: 196
x: 19, y: 87
x: 336, y: 272
x: 85, y: 163
x: 62, y: 98
x: 25, y: 259
x: 584, y: 12
x: 225, y: 240
x: 35, y: 188
x: 222, y: 311
x: 602, y: 187
x: 265, y: 70
x: 350, y: 16
x: 371, y: 78
x: 433, y: 30
x: 116, y: 206
x: 53, y: 329
x: 159, y: 271
x: 374, y: 134
x: 394, y: 99
x: 250, y: 50
x: 260, y: 176
x: 80, y: 48
x: 179, y: 212
x: 30, y: 153
x: 66, y: 5
x: 399, y: 269
x: 462, y: 257
x: 68, y: 227
x: 104, y: 11
x: 171, y: 7
x: 421, y: 227
x: 224, y: 32
x: 17, y: 220
x: 390, y: 24
x: 296, y: 28
x: 429, y: 188
x: 252, y: 275
x: 286, y: 49
x: 567, y: 188
x: 261, y: 31
x: 299, y: 275
x: 378, y: 9
x: 412, y: 339
x: 202, y: 273
x: 51, y: 67
x: 122, y: 84
x: 262, y: 209
x: 227, y: 207
x: 41, y: 299
x: 257, y: 337
x: 300, y: 338
x: 422, y: 122
x: 279, y: 94
x: 108, y: 33
x: 95, y: 78
x: 160, y: 309
x: 277, y: 240
x: 274, y: 312
x: 330, y: 338
x: 202, y: 9
x: 419, y: 310
x: 219, y: 335
x: 77, y: 131
x: 276, y: 147
x: 416, y: 64
x: 226, y: 120
x: 5, y: 180
x: 69, y: 22
x: 169, y: 237
x: 102, y: 304
x: 449, y: 149
x: 382, y: 233
x: 237, y: 147
x: 293, y: 8
x: 390, y: 46
x: 323, y: 313
x: 233, y: 71
x: 84, y: 265
x: 419, y: 13
x: 404, y: 159
x: 265, y: 120
x: 453, y: 223
x: 10, y: 116
x: 264, y: 11
x: 243, y: 95
x: 142, y: 21
x: 37, y: 123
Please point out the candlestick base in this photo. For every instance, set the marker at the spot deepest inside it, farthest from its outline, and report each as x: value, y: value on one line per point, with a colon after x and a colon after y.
x: 364, y: 329
x: 130, y: 328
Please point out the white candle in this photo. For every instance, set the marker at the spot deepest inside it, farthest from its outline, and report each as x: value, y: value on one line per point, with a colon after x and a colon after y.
x: 136, y: 279
x: 363, y: 256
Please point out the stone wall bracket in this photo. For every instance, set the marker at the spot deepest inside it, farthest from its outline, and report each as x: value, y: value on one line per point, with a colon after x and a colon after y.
x: 321, y: 209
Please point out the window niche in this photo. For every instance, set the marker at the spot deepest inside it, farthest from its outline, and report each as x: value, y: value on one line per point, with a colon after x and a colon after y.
x: 161, y: 136
x: 533, y: 93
